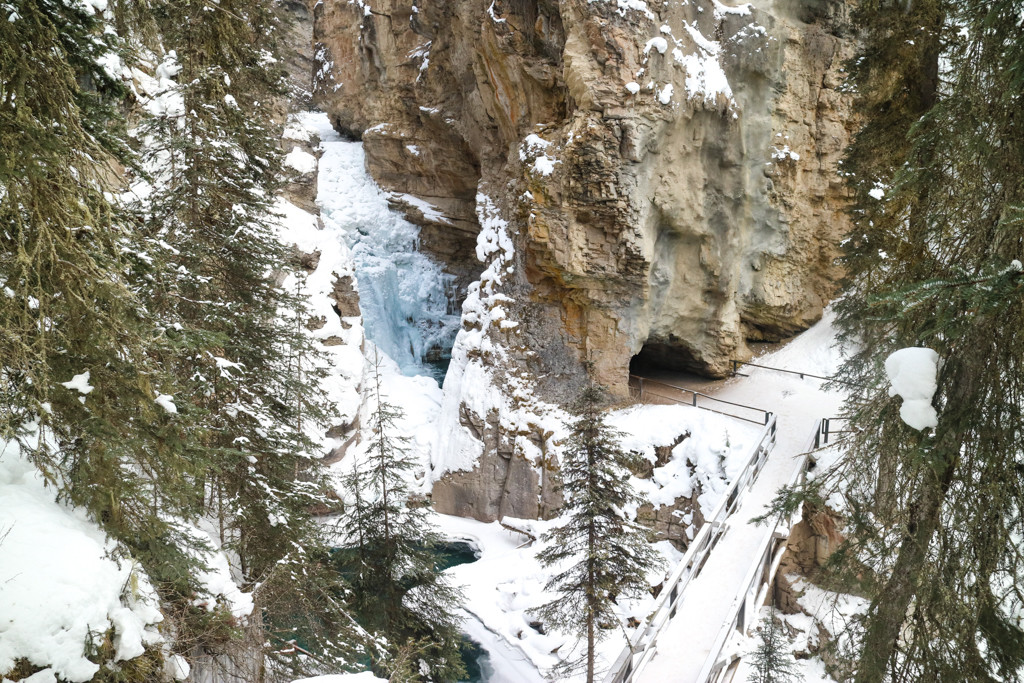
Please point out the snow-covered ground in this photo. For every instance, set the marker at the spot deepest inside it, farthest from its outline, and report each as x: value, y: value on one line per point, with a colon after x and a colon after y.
x: 832, y: 611
x: 64, y: 584
x: 362, y: 677
x: 507, y: 581
x: 822, y: 611
x: 713, y: 455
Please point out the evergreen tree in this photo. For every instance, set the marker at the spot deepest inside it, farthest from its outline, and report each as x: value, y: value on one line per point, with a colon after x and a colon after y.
x: 607, y: 555
x: 67, y: 260
x: 247, y: 372
x: 79, y: 342
x: 934, y: 261
x: 389, y: 558
x: 195, y: 383
x: 771, y: 662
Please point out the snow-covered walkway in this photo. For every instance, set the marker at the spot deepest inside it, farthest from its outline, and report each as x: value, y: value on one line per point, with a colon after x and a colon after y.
x: 684, y: 645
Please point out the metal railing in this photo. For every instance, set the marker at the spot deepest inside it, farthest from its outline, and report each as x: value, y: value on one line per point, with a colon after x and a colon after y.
x: 737, y: 363
x: 640, y: 646
x: 826, y: 430
x: 643, y: 390
x: 759, y: 577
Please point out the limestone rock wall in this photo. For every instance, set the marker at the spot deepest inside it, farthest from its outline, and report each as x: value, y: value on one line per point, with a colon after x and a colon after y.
x: 667, y: 172
x: 699, y: 212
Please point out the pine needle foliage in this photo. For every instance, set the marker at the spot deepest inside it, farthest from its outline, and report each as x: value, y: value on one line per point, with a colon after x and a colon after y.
x: 598, y: 553
x: 935, y: 516
x: 247, y: 372
x: 389, y: 557
x: 68, y: 306
x: 771, y: 661
x: 71, y: 304
x: 177, y: 298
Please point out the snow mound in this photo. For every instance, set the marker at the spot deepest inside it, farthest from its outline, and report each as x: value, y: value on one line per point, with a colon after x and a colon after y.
x: 166, y: 401
x: 60, y: 586
x: 665, y: 95
x: 658, y: 43
x: 536, y: 146
x: 301, y: 161
x: 708, y: 459
x: 216, y: 579
x: 912, y: 373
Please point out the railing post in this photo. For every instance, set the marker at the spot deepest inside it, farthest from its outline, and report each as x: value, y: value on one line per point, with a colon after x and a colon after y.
x: 826, y: 425
x: 694, y: 398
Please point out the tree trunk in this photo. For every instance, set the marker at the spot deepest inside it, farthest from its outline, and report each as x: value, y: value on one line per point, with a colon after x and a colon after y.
x: 591, y: 561
x: 890, y: 606
x: 591, y: 600
x: 590, y: 646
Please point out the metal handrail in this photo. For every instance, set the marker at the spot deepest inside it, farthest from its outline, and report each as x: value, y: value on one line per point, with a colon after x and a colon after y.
x: 642, y: 380
x: 737, y: 363
x: 640, y: 646
x: 713, y: 668
x: 825, y: 431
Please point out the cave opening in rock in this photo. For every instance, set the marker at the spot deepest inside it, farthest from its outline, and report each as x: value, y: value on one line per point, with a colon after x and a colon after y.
x: 664, y: 360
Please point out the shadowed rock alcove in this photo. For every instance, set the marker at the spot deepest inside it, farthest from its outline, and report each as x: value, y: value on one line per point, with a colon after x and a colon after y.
x: 657, y: 358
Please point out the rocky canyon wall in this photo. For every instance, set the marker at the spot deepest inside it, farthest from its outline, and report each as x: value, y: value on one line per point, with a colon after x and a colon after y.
x: 664, y: 174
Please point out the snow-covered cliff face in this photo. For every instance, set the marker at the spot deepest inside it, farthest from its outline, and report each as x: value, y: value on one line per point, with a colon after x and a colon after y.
x: 680, y: 190
x: 665, y: 174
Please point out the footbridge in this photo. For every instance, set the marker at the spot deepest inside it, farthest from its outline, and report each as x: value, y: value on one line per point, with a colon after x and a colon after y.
x: 728, y: 569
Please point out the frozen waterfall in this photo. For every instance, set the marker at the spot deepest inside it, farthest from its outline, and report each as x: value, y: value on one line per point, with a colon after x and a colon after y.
x: 403, y: 294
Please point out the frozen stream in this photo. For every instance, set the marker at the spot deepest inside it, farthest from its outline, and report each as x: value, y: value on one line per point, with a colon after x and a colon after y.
x: 403, y: 294
x: 502, y: 663
x: 483, y: 620
x: 499, y: 661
